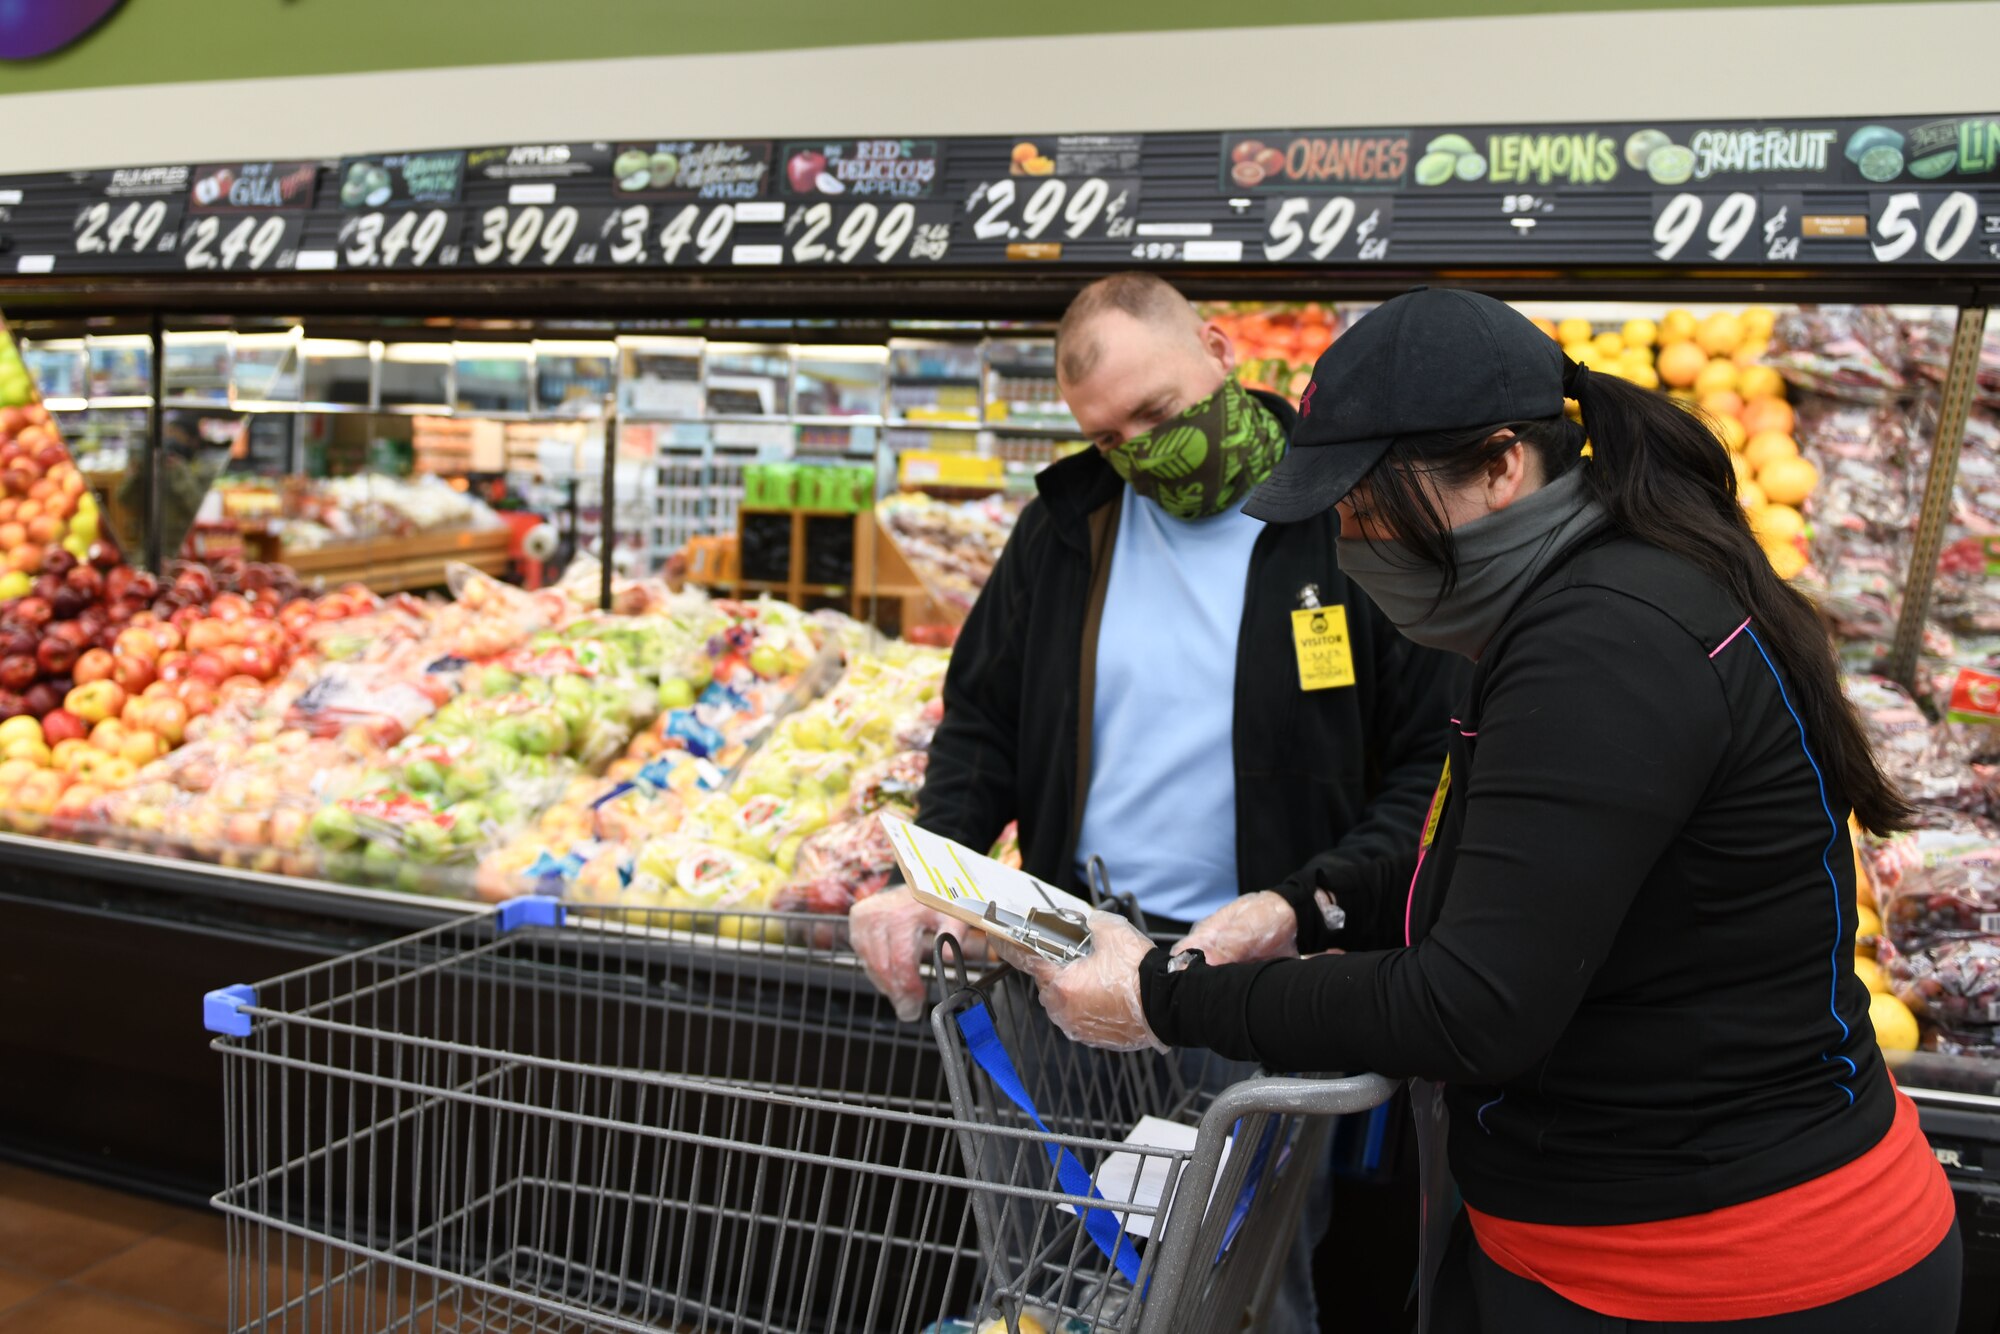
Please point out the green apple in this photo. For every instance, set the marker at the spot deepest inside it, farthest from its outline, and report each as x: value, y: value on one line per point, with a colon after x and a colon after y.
x: 333, y: 828
x: 427, y: 841
x: 676, y: 692
x: 543, y: 732
x: 468, y: 821
x: 496, y: 681
x: 571, y: 687
x: 424, y: 775
x: 381, y: 861
x: 767, y: 662
x: 700, y: 672
x: 469, y: 778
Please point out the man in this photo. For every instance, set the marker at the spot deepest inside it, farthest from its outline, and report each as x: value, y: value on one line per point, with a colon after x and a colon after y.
x: 1134, y: 685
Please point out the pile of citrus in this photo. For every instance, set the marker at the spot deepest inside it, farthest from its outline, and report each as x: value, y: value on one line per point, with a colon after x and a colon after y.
x: 1715, y: 363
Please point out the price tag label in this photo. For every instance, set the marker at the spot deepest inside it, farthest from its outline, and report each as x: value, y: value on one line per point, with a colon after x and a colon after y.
x: 867, y: 233
x: 1027, y: 208
x: 126, y: 227
x: 400, y: 239
x: 1934, y: 227
x: 534, y: 236
x: 1339, y: 229
x: 1706, y: 228
x: 240, y: 242
x: 668, y: 234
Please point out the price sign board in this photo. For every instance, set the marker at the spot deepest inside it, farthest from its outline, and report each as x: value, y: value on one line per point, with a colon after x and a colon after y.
x: 694, y: 233
x: 240, y: 242
x: 399, y: 238
x: 1026, y: 209
x: 534, y: 236
x: 1329, y: 229
x: 867, y: 232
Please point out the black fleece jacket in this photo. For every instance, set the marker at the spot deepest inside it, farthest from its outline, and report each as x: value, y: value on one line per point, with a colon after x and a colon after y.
x: 1326, y: 780
x: 1631, y: 936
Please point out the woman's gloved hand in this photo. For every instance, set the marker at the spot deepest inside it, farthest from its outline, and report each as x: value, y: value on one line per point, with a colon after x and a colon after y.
x: 1251, y: 928
x: 893, y: 934
x: 1095, y: 1000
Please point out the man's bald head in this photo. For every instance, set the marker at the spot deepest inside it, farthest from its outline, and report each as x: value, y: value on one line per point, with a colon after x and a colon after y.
x: 1131, y: 353
x: 1144, y: 297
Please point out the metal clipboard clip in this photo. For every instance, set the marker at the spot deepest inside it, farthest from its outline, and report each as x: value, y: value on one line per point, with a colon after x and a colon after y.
x: 1056, y: 935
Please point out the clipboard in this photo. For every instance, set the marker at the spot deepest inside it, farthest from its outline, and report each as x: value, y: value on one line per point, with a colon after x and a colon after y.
x: 981, y: 892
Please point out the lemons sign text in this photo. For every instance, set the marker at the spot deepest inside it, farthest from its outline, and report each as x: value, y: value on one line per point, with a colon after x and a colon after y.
x: 1326, y: 659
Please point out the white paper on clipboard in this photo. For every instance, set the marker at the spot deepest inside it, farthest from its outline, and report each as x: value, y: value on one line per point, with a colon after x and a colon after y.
x: 1144, y: 1179
x: 960, y: 883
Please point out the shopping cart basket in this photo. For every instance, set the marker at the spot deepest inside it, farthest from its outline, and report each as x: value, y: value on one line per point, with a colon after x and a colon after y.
x: 1081, y: 1230
x: 554, y: 1118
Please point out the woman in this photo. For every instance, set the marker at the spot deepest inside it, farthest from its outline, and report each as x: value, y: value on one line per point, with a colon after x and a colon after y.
x: 1626, y: 951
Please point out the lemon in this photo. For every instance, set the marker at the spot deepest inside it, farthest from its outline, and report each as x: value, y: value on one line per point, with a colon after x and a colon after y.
x: 1678, y: 326
x: 1573, y: 330
x: 1751, y: 497
x: 1755, y: 382
x: 1775, y: 523
x: 1744, y: 475
x: 1866, y: 923
x: 1767, y: 447
x: 1730, y: 431
x: 1788, y: 561
x: 1028, y: 1325
x: 1758, y: 321
x: 1583, y: 353
x: 1870, y: 974
x: 1719, y: 334
x: 1608, y: 345
x: 1643, y: 376
x: 1640, y: 333
x: 1717, y: 377
x: 1895, y: 1027
x: 1788, y: 480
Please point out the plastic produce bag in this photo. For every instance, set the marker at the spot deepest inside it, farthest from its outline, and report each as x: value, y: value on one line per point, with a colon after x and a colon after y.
x: 1851, y: 352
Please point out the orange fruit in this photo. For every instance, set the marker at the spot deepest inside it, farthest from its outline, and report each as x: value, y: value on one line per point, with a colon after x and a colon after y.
x: 1751, y: 496
x: 1640, y: 333
x: 1788, y: 481
x: 1719, y: 376
x: 1777, y: 523
x: 1895, y: 1027
x: 1871, y: 976
x: 1680, y: 363
x: 1754, y: 382
x: 1024, y: 151
x: 1573, y: 330
x: 1787, y: 560
x: 1643, y: 376
x: 1677, y: 326
x: 1745, y: 475
x: 1730, y: 431
x: 1720, y: 403
x: 1750, y: 352
x: 1767, y: 447
x: 1609, y: 345
x: 1546, y: 326
x: 1719, y: 334
x: 1769, y: 414
x: 1758, y: 321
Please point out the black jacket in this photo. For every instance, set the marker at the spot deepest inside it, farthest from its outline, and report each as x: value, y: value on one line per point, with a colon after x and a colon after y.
x: 1633, y: 933
x: 1324, y: 779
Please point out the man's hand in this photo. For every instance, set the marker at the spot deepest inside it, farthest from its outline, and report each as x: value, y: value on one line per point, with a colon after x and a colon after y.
x: 892, y: 933
x: 1252, y: 928
x: 1095, y: 1000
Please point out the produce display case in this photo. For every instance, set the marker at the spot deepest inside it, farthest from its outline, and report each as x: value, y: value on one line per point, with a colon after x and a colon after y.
x: 1839, y: 229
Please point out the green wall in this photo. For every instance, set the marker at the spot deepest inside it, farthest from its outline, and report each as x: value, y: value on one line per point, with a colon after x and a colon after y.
x: 179, y: 41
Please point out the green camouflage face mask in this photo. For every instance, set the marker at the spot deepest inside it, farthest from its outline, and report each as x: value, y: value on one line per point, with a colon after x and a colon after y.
x: 1205, y: 460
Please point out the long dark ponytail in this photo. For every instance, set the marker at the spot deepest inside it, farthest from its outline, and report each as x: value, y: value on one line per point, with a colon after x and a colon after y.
x: 1664, y: 478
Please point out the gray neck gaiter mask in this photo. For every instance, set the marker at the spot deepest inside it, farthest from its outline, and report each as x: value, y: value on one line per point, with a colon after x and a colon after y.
x: 1499, y: 557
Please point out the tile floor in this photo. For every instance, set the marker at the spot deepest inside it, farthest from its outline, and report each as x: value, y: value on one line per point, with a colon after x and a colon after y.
x: 81, y: 1259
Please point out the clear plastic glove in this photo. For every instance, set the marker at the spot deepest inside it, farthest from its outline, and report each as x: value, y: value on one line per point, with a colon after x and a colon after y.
x: 1095, y: 1000
x: 893, y: 934
x: 1251, y: 928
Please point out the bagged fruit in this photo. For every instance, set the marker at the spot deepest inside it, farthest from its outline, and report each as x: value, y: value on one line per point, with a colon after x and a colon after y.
x: 703, y: 886
x: 1953, y: 982
x: 839, y: 866
x: 1851, y: 352
x: 888, y: 784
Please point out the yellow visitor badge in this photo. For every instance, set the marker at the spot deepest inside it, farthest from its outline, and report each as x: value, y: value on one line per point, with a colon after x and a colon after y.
x: 1326, y: 660
x: 1437, y: 805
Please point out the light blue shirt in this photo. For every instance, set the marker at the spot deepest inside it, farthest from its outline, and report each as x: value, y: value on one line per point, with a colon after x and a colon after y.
x: 1161, y: 810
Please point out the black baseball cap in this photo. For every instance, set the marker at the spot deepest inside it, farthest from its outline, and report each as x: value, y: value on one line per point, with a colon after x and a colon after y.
x: 1429, y: 360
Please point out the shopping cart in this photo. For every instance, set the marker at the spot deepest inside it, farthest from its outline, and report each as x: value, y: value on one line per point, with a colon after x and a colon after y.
x: 1084, y: 1232
x: 553, y: 1118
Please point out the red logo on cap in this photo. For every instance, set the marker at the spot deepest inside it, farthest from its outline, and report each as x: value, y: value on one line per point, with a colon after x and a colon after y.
x: 1306, y: 400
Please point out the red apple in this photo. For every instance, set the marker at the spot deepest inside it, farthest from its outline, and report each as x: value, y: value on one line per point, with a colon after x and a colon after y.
x: 51, y: 456
x: 117, y: 578
x: 199, y: 696
x: 94, y: 665
x: 56, y: 655
x: 145, y: 585
x: 138, y: 641
x: 169, y: 719
x: 207, y: 667
x: 86, y: 579
x: 59, y: 725
x: 68, y: 603
x: 16, y: 639
x: 173, y: 665
x: 18, y: 671
x: 33, y: 612
x: 44, y: 697
x: 132, y: 672
x: 46, y: 586
x: 58, y: 563
x: 11, y: 704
